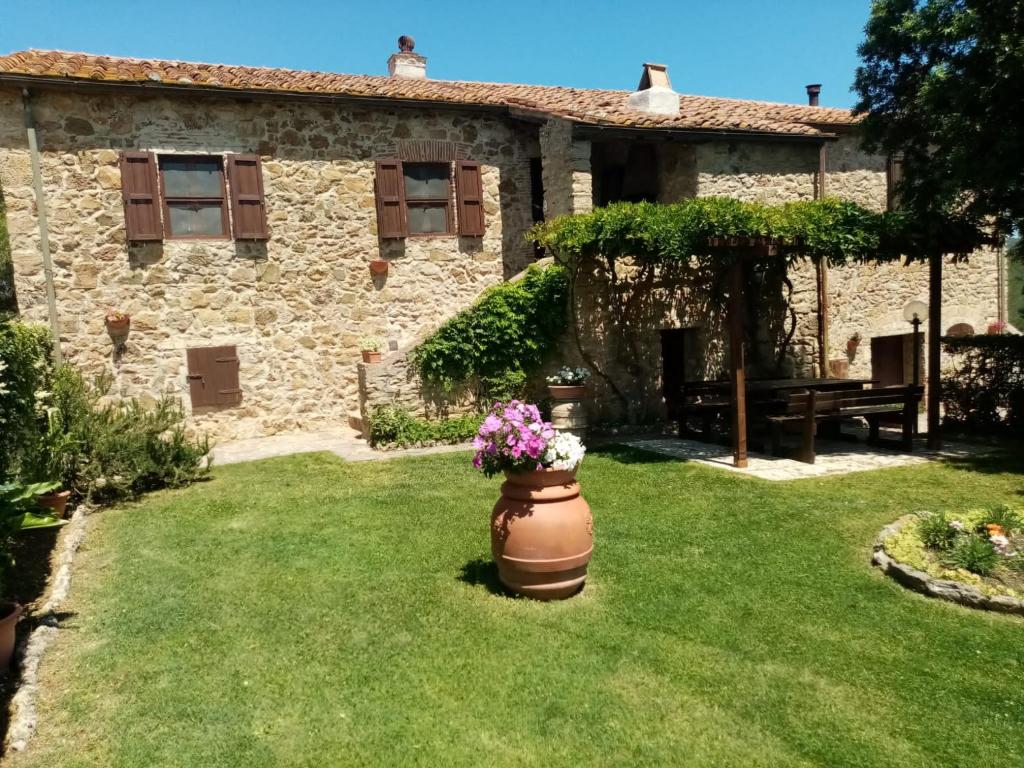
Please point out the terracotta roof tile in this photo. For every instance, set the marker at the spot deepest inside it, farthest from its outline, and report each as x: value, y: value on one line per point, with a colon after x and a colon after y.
x: 599, y: 107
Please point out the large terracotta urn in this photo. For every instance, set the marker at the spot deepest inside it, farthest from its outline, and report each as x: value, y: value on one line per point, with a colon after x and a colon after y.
x: 10, y: 613
x: 542, y: 534
x: 568, y: 414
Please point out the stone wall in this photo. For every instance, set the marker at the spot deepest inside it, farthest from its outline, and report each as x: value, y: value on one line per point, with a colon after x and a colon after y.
x: 294, y: 306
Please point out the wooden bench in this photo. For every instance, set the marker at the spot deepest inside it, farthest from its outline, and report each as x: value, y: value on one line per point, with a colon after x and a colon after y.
x: 703, y: 401
x: 805, y: 410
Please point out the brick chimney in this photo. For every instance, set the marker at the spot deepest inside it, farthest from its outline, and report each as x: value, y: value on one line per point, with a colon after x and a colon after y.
x: 655, y: 94
x: 813, y: 91
x: 405, y: 63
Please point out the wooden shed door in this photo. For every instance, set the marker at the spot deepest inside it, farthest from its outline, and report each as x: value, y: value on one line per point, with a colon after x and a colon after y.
x: 213, y: 376
x: 887, y: 366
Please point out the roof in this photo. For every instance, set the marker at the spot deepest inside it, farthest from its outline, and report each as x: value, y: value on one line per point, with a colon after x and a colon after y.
x: 583, y: 105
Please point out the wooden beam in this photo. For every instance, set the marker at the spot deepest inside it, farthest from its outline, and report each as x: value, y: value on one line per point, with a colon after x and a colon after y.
x: 934, y: 350
x: 738, y: 379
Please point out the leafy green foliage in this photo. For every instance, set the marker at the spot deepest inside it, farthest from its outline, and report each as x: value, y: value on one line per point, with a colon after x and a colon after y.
x: 700, y: 230
x: 1005, y: 516
x: 8, y: 303
x: 390, y: 425
x: 24, y: 371
x: 935, y: 531
x: 942, y: 83
x: 20, y: 510
x: 984, y: 390
x: 107, y: 451
x: 973, y: 553
x: 493, y: 345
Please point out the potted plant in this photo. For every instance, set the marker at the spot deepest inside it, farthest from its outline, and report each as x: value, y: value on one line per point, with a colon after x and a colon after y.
x: 997, y: 327
x: 371, y: 348
x: 19, y: 511
x: 118, y: 323
x: 568, y: 383
x: 541, y: 527
x: 379, y: 267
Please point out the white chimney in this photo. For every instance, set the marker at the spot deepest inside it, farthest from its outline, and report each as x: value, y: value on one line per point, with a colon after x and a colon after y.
x: 405, y: 63
x: 655, y: 94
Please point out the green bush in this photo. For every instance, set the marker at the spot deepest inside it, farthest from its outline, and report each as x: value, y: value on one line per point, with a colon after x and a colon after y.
x: 973, y: 553
x: 8, y: 302
x: 106, y: 451
x: 494, y: 345
x: 25, y: 370
x: 984, y: 391
x: 936, y: 532
x: 391, y: 425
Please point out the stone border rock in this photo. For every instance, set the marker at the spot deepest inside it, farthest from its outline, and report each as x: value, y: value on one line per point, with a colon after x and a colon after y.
x: 926, y: 584
x: 23, y: 703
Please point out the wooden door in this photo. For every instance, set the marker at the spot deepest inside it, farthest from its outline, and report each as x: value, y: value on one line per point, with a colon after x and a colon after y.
x: 679, y: 363
x: 887, y: 365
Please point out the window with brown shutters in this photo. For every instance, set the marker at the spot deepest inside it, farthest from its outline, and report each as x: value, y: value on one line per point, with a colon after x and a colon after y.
x: 390, y: 190
x: 470, y: 194
x: 213, y: 377
x: 142, y: 218
x: 248, y: 209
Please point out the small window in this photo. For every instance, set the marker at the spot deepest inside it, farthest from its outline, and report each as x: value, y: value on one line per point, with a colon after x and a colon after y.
x: 894, y: 177
x: 195, y: 200
x: 428, y: 197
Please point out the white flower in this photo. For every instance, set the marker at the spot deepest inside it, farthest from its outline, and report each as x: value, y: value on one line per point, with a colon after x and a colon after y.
x: 565, y: 451
x: 956, y: 524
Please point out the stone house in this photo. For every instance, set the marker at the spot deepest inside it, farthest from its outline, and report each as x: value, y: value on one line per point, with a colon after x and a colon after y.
x: 235, y: 213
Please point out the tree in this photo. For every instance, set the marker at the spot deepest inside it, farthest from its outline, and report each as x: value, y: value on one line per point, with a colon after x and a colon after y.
x: 942, y: 83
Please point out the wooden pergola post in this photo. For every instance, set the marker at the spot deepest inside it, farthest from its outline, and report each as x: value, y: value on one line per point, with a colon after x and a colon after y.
x: 737, y: 378
x: 934, y: 350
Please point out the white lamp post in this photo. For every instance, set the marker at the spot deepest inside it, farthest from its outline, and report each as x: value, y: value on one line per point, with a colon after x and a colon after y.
x: 915, y: 313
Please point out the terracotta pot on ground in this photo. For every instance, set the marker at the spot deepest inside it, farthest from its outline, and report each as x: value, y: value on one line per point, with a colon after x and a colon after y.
x: 57, y: 501
x: 563, y: 392
x: 542, y: 534
x: 10, y: 613
x: 370, y: 356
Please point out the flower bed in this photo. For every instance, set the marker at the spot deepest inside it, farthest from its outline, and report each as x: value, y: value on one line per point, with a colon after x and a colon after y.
x: 975, y: 557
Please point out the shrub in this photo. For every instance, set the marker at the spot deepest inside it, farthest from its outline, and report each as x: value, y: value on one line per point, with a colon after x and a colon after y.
x: 973, y: 553
x: 494, y: 345
x: 1005, y: 516
x: 112, y: 450
x: 935, y: 531
x: 984, y: 392
x: 24, y: 371
x: 391, y: 425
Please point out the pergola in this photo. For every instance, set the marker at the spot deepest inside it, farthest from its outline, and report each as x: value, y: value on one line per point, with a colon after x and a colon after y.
x: 728, y: 234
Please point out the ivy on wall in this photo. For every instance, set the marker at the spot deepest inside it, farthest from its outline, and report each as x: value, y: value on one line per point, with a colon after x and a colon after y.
x: 493, y: 346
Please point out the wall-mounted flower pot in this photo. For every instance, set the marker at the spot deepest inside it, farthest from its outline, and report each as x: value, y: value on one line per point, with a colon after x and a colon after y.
x: 118, y: 329
x: 996, y: 328
x: 378, y: 267
x: 57, y: 501
x: 9, y: 615
x: 370, y: 356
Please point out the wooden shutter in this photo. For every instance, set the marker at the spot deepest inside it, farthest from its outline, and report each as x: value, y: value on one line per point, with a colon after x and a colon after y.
x: 390, y: 190
x: 248, y: 209
x: 895, y: 178
x: 213, y: 376
x: 469, y: 192
x: 141, y: 198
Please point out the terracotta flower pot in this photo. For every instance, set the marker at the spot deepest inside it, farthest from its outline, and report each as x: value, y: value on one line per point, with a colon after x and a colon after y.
x: 10, y: 612
x: 118, y: 327
x: 561, y: 392
x: 379, y: 267
x: 57, y: 501
x: 542, y: 534
x: 370, y: 356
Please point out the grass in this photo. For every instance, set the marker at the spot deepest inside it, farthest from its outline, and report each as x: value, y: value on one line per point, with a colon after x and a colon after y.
x: 307, y: 612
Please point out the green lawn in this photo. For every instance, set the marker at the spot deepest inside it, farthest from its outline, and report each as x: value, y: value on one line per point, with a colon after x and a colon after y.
x: 308, y: 612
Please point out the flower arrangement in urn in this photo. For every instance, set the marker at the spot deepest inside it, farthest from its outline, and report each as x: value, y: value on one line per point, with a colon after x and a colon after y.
x: 568, y: 383
x: 541, y: 527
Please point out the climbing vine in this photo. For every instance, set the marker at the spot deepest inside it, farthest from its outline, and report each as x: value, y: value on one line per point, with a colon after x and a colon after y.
x: 494, y: 345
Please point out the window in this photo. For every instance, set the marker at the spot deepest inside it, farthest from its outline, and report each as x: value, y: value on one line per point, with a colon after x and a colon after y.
x: 428, y: 197
x: 415, y: 198
x: 195, y: 200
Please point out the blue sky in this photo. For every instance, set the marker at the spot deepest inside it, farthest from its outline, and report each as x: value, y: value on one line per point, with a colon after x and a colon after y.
x: 757, y: 49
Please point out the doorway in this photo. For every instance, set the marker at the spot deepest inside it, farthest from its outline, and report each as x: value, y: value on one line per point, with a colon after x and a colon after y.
x: 680, y: 363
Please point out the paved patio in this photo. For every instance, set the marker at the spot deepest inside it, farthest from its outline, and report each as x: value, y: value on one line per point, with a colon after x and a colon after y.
x: 342, y: 442
x: 834, y: 457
